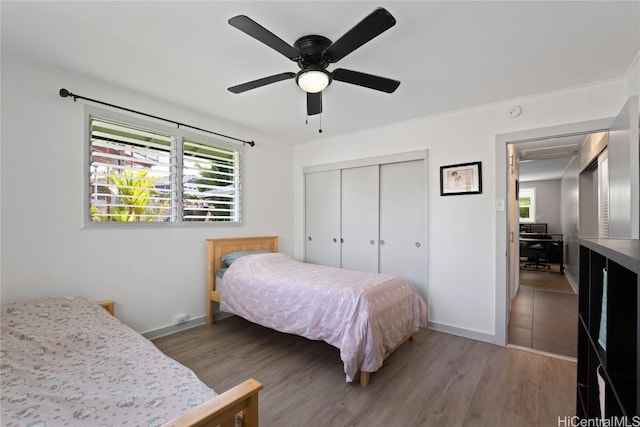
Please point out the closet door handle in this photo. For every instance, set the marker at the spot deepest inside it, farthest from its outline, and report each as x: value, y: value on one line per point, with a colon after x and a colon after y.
x: 372, y: 242
x: 418, y: 244
x: 382, y: 242
x: 335, y: 240
x: 309, y: 238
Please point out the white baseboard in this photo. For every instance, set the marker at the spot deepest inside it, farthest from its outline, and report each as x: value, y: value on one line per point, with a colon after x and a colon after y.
x: 571, y: 281
x: 168, y: 330
x: 454, y: 330
x: 466, y: 333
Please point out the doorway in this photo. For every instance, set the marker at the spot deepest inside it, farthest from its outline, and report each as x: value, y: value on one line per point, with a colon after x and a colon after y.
x: 544, y: 305
x: 622, y: 134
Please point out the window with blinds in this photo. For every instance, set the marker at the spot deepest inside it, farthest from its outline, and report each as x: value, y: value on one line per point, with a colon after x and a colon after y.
x: 140, y: 174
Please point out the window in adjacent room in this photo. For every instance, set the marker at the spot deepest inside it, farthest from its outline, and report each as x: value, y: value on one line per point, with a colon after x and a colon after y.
x: 527, y: 204
x: 154, y: 174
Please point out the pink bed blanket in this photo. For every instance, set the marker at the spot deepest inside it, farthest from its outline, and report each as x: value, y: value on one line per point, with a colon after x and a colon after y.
x: 67, y: 362
x: 363, y: 314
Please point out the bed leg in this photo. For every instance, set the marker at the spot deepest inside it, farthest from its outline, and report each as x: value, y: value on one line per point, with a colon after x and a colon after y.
x: 209, y: 313
x: 364, y: 378
x: 212, y: 296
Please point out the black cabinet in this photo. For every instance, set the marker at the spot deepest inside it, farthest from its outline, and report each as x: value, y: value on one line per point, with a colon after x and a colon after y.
x: 608, y: 328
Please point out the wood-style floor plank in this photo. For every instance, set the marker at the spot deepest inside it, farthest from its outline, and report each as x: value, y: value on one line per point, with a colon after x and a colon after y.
x: 436, y: 380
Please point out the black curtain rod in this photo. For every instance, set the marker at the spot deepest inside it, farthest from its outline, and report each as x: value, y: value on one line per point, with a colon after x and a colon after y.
x: 64, y: 93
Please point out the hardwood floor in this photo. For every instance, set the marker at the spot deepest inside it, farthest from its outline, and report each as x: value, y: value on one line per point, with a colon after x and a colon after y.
x: 544, y: 314
x: 546, y: 280
x: 436, y: 380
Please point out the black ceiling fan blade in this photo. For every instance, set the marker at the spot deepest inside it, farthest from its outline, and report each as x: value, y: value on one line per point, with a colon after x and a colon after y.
x: 261, y: 82
x: 382, y: 84
x: 376, y: 23
x: 314, y: 103
x: 258, y: 32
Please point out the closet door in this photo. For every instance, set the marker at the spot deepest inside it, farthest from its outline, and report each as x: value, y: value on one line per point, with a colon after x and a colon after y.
x: 403, y: 245
x: 360, y: 202
x: 322, y: 218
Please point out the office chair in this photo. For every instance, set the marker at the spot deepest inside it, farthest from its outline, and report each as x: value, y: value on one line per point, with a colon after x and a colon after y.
x: 538, y: 252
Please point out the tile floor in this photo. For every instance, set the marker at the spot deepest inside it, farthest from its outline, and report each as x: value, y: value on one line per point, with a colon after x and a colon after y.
x: 546, y: 321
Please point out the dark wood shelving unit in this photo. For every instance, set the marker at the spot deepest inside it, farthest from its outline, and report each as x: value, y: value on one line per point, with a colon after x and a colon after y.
x: 617, y: 359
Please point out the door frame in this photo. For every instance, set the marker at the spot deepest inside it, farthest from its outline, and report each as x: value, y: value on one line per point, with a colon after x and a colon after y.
x: 503, y: 200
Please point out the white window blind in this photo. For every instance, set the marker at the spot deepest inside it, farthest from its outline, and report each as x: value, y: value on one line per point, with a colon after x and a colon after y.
x: 603, y: 194
x: 210, y: 183
x: 138, y: 174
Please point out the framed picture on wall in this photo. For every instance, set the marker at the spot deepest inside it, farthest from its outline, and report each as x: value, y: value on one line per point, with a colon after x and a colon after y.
x: 463, y: 178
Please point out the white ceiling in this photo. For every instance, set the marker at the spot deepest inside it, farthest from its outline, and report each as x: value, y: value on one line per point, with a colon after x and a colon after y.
x: 543, y: 170
x: 448, y: 55
x: 547, y: 159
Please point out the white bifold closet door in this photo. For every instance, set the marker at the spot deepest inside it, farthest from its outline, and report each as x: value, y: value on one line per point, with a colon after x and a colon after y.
x: 403, y: 246
x: 360, y: 202
x: 369, y: 218
x: 322, y: 218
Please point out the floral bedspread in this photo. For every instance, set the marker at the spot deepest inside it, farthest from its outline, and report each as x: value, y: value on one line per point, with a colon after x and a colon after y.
x: 67, y: 362
x: 363, y: 314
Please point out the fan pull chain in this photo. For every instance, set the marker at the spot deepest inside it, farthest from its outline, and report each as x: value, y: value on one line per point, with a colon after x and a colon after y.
x: 306, y: 122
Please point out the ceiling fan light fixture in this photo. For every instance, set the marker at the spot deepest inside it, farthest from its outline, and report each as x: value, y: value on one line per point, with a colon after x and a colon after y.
x: 313, y: 80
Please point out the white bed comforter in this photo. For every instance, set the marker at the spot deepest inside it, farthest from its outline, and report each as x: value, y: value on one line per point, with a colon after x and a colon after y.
x: 67, y: 362
x: 363, y: 314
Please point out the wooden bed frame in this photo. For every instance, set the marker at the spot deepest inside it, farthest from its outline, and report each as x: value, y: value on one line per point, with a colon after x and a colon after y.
x: 216, y: 248
x: 221, y: 410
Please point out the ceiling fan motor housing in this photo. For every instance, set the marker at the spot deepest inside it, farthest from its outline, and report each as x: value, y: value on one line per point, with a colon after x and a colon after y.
x: 312, y: 48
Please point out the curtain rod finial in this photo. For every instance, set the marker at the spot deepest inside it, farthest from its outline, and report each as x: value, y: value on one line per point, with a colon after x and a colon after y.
x: 64, y: 93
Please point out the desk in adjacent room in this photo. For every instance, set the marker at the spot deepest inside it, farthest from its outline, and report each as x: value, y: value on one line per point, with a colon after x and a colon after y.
x: 541, y: 249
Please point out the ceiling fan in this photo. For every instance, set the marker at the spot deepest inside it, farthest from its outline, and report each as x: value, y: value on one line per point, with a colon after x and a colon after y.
x: 314, y: 53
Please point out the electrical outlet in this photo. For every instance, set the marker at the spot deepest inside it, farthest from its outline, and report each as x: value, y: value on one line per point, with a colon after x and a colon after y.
x: 180, y: 319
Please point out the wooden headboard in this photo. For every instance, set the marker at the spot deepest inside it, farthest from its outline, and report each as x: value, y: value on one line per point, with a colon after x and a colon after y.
x: 218, y: 247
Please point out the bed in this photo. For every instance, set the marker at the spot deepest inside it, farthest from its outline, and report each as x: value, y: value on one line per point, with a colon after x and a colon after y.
x: 68, y: 361
x: 365, y: 315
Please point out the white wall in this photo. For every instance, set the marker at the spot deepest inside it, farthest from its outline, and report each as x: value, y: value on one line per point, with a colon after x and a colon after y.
x: 569, y: 218
x: 152, y: 274
x: 633, y: 81
x: 462, y: 229
x: 547, y: 203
